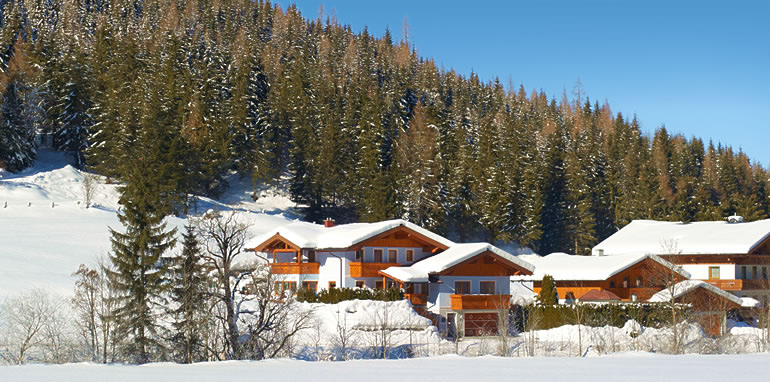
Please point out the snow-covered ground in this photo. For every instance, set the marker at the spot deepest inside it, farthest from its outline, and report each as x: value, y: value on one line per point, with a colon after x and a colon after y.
x: 46, y: 232
x: 619, y: 367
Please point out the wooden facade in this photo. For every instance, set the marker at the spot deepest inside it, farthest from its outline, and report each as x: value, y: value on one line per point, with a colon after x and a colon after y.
x: 642, y: 280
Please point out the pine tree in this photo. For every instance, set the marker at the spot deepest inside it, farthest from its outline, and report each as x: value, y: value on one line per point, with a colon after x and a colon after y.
x: 188, y: 281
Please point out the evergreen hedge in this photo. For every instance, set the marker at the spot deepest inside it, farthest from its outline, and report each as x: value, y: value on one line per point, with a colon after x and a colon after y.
x: 335, y: 295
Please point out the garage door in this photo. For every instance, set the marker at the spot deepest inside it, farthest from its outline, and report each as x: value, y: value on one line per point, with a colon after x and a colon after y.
x: 480, y: 324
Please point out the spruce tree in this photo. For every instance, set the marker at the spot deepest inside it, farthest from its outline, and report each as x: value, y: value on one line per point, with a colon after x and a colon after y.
x: 20, y: 111
x: 188, y: 281
x: 137, y: 278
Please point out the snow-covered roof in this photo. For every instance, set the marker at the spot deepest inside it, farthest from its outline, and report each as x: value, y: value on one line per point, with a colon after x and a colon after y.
x: 563, y: 266
x: 456, y: 254
x: 666, y: 238
x: 310, y: 235
x: 682, y: 288
x: 522, y: 294
x: 748, y: 302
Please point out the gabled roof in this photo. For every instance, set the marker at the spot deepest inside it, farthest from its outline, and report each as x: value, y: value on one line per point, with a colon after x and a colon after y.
x: 599, y: 295
x: 567, y: 267
x: 456, y: 254
x: 666, y: 238
x: 682, y: 288
x: 310, y: 235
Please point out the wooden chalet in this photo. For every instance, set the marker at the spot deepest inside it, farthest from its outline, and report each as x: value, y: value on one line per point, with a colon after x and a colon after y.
x: 732, y: 255
x: 629, y: 277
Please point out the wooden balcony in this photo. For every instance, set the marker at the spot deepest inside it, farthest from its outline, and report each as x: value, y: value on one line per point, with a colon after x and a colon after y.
x: 738, y: 284
x: 295, y: 268
x: 480, y: 301
x: 359, y: 269
x: 417, y: 299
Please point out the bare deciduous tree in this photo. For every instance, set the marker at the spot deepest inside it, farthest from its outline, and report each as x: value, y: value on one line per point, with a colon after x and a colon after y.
x: 25, y: 318
x: 90, y: 182
x: 85, y: 304
x: 269, y: 321
x: 223, y: 237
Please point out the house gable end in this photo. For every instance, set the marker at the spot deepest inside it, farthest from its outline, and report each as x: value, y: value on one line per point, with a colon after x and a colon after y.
x: 486, y: 263
x: 276, y: 242
x: 400, y: 236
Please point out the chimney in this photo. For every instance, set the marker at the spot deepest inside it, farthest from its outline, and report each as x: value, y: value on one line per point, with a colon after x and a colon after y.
x: 735, y: 219
x: 329, y: 222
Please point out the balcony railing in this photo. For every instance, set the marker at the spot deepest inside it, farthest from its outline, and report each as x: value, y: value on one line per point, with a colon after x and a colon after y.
x: 417, y: 299
x: 359, y: 269
x: 738, y: 284
x: 480, y: 301
x: 295, y: 268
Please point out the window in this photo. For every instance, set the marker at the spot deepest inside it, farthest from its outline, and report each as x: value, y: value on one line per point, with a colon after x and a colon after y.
x: 462, y: 287
x: 378, y: 284
x: 569, y: 298
x: 744, y: 275
x: 409, y: 255
x: 359, y: 284
x: 754, y: 271
x: 378, y: 255
x: 612, y: 283
x: 311, y: 285
x: 310, y: 256
x: 392, y: 255
x: 639, y: 282
x: 625, y: 282
x: 332, y: 284
x: 285, y: 287
x: 360, y: 255
x: 713, y: 272
x: 487, y: 287
x: 764, y: 273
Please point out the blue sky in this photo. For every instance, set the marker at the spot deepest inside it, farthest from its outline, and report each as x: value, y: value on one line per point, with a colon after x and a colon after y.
x: 701, y: 68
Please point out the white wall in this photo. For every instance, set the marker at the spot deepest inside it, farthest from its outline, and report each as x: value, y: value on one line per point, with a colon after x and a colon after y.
x: 369, y: 254
x: 438, y: 293
x: 701, y: 271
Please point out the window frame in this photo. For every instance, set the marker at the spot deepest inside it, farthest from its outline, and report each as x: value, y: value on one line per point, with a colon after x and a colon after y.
x: 332, y: 284
x: 360, y: 284
x: 312, y: 285
x: 409, y: 255
x: 374, y: 254
x: 392, y: 255
x: 487, y: 282
x: 468, y: 282
x: 718, y: 273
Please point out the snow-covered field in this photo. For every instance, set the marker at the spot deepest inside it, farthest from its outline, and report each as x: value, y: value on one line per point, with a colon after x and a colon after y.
x: 618, y: 367
x: 46, y: 232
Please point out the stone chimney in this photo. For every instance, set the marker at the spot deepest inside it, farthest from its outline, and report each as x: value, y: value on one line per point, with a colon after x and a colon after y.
x: 329, y: 222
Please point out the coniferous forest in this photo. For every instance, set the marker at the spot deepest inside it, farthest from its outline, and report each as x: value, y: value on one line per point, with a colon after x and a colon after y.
x: 169, y: 97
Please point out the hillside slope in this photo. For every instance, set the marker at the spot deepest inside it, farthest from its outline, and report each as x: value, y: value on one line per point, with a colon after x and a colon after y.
x: 46, y: 232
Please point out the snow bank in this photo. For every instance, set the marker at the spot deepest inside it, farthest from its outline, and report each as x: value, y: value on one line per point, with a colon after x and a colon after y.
x: 627, y: 367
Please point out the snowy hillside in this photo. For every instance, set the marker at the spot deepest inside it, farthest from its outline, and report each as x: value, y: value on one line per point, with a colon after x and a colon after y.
x: 46, y: 232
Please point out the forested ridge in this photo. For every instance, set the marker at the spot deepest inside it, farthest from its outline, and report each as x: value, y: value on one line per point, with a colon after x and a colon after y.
x: 172, y: 96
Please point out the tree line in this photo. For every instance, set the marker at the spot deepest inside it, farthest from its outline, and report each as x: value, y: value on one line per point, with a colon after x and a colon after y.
x: 175, y: 95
